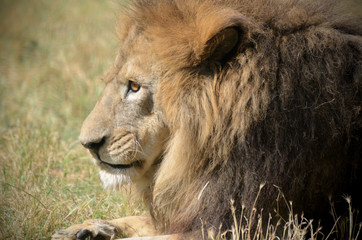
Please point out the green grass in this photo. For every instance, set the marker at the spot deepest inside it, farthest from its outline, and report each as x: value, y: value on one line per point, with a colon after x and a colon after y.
x: 53, y: 55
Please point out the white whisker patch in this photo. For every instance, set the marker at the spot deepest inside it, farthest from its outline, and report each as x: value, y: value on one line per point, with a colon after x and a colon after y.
x: 114, y: 181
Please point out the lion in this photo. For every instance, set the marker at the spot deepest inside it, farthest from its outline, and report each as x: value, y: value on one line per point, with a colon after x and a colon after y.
x: 207, y: 100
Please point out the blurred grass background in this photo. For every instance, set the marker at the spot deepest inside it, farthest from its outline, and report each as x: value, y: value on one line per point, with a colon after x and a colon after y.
x: 53, y: 54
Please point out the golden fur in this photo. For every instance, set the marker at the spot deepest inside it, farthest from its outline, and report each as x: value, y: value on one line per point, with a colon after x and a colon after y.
x: 250, y: 92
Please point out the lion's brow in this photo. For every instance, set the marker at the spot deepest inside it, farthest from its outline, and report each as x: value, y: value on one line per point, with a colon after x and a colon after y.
x: 109, y: 75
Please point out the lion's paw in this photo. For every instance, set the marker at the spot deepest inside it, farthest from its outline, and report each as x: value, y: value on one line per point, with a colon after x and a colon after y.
x: 90, y: 229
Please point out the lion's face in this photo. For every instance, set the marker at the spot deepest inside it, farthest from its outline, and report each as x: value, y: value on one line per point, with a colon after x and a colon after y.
x: 125, y: 133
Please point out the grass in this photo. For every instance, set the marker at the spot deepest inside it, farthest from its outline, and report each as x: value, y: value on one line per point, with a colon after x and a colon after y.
x: 52, y: 57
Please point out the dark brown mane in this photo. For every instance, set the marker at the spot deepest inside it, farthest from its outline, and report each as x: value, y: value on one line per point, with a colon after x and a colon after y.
x: 283, y: 107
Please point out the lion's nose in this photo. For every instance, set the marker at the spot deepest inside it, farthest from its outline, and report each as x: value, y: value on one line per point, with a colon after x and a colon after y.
x: 93, y: 144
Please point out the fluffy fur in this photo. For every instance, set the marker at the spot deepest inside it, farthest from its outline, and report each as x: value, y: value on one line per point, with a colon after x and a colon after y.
x: 281, y: 107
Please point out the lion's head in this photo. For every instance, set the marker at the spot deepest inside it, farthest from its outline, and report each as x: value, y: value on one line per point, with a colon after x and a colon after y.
x: 209, y: 99
x: 125, y: 132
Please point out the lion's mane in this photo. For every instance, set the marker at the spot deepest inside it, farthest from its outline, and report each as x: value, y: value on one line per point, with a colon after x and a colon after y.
x: 282, y: 108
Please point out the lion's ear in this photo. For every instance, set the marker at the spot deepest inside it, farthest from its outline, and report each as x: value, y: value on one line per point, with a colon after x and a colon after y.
x: 205, y: 37
x: 222, y: 46
x: 222, y: 35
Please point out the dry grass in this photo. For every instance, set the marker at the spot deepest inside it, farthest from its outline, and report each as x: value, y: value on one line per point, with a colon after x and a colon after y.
x: 295, y: 227
x: 52, y: 57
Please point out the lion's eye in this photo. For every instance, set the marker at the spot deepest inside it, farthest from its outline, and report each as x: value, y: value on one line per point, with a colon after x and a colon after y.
x: 133, y: 86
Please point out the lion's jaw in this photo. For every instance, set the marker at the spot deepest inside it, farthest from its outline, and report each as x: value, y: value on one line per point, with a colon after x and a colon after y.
x: 115, y: 180
x: 133, y: 161
x: 125, y: 133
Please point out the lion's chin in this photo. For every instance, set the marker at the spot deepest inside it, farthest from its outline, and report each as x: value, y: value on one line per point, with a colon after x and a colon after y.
x: 114, y: 181
x: 114, y: 176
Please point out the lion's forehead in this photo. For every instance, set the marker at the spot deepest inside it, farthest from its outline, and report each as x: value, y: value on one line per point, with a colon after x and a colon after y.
x: 139, y: 67
x: 134, y: 66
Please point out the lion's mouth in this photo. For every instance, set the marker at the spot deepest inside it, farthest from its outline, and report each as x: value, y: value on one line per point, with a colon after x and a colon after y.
x: 120, y: 166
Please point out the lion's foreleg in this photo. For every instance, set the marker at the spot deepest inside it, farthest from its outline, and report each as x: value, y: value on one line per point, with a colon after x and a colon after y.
x: 160, y: 237
x: 134, y: 226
